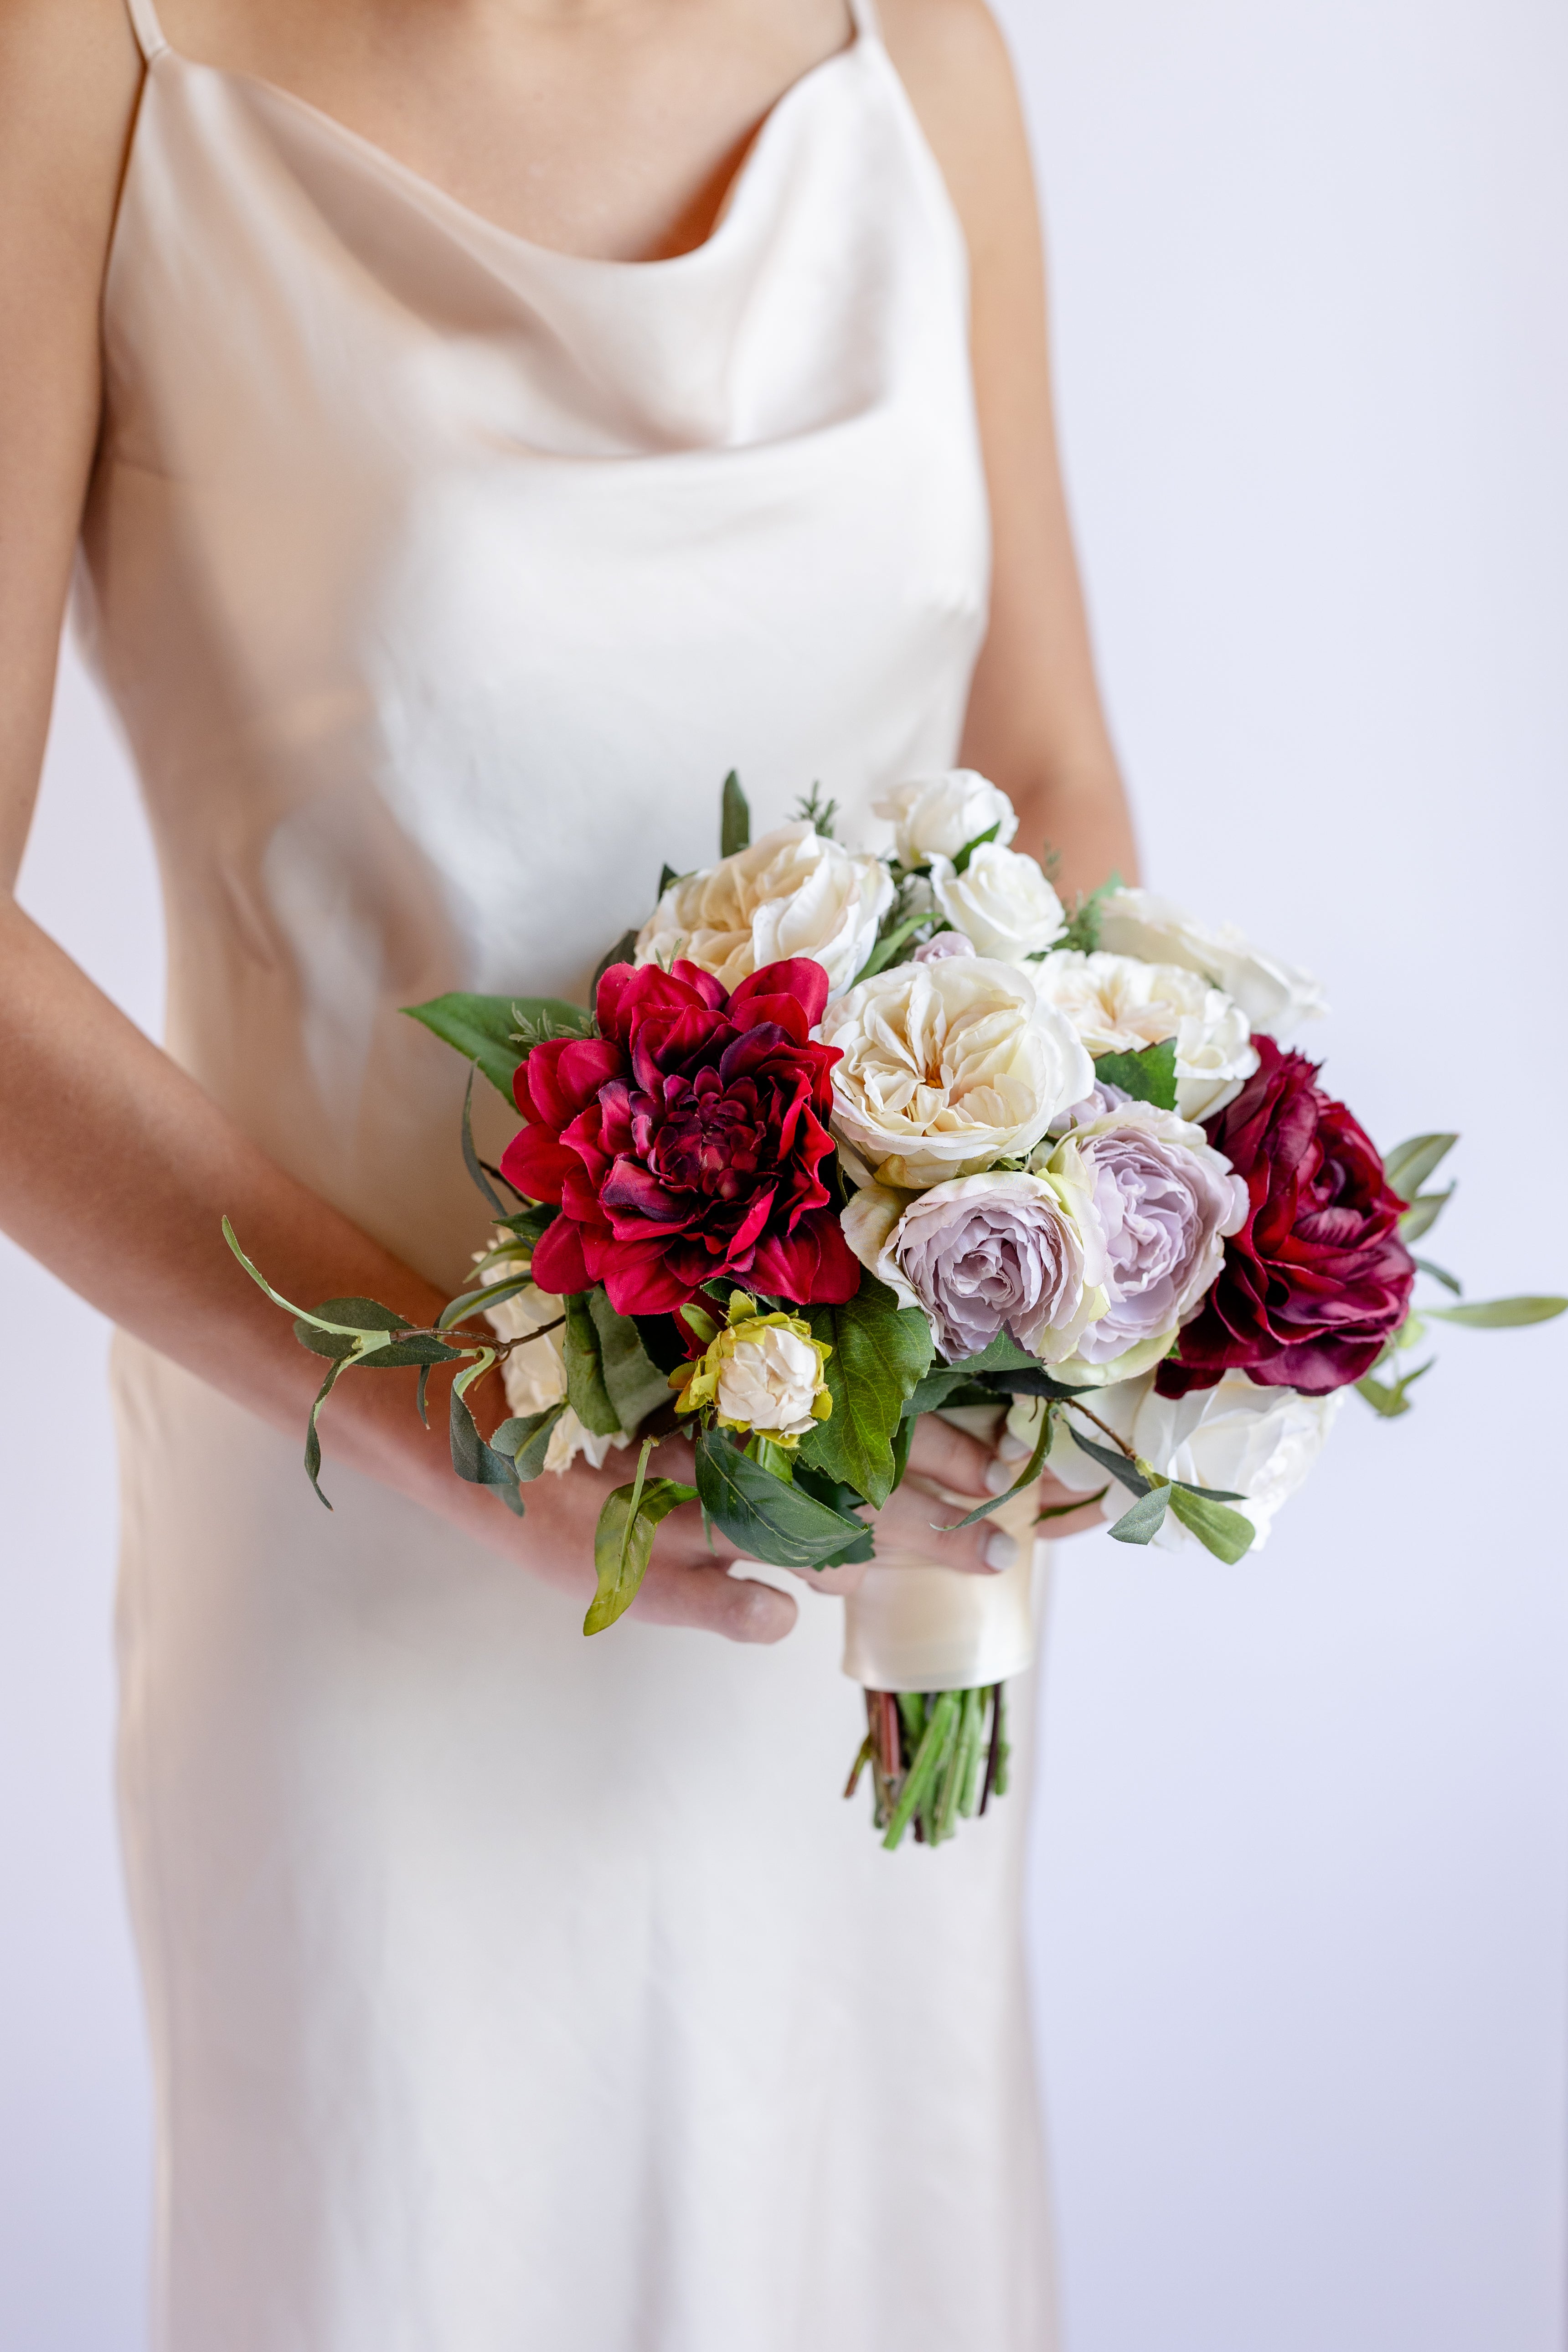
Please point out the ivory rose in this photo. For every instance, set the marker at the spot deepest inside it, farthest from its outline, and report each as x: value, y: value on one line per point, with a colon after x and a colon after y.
x: 948, y: 1067
x: 936, y: 816
x: 1118, y: 1005
x: 793, y: 893
x: 1002, y: 901
x: 986, y: 1254
x: 1236, y: 1438
x: 1275, y: 996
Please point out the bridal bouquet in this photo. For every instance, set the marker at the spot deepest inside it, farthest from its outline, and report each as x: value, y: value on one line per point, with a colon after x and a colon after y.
x: 846, y: 1139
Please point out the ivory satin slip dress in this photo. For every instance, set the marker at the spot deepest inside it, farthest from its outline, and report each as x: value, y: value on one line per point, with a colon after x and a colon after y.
x: 508, y: 1992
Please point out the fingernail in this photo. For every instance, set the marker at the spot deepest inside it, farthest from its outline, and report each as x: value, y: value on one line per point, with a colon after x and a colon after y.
x: 999, y: 1476
x: 1013, y: 1449
x: 999, y: 1550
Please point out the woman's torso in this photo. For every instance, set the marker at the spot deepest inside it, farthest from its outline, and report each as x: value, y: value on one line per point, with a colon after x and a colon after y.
x: 439, y: 577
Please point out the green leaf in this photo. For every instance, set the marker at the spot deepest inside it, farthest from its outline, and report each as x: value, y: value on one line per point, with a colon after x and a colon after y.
x: 1408, y: 1165
x: 472, y: 1459
x: 634, y: 1383
x: 1065, y: 1511
x: 1026, y: 1477
x: 880, y: 1351
x: 844, y: 1500
x: 960, y: 863
x: 624, y: 1541
x: 782, y: 1525
x: 1499, y: 1314
x: 1003, y: 1355
x: 1226, y: 1533
x: 624, y: 951
x: 483, y: 1295
x: 667, y: 875
x: 1082, y: 931
x: 532, y: 1225
x: 1423, y: 1213
x: 1149, y: 1077
x: 735, y: 818
x: 1389, y: 1398
x: 470, y: 1157
x: 1143, y: 1522
x: 486, y: 1029
x: 1439, y: 1274
x: 526, y: 1440
x: 368, y: 1315
x: 586, y: 1390
x: 312, y: 1435
x: 1117, y: 1464
x: 888, y: 946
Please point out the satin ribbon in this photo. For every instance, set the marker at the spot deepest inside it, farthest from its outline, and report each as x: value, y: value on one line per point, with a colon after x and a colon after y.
x: 916, y: 1626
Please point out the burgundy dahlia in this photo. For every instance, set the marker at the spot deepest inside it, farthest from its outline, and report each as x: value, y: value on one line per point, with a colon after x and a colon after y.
x: 684, y: 1140
x: 1317, y: 1278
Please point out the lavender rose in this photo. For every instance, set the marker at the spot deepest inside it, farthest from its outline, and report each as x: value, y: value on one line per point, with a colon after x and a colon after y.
x: 1167, y: 1200
x: 983, y: 1254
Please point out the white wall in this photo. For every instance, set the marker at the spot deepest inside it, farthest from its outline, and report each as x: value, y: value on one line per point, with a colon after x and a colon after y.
x: 1303, y: 1890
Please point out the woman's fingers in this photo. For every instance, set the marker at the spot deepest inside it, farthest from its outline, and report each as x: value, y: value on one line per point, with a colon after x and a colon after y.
x: 699, y: 1592
x: 949, y: 1457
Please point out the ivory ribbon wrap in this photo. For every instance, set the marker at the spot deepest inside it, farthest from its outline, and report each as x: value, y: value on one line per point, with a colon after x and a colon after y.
x: 916, y: 1626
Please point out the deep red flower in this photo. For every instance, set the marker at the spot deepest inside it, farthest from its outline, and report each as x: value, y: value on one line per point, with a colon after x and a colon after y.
x: 684, y: 1141
x: 1317, y: 1278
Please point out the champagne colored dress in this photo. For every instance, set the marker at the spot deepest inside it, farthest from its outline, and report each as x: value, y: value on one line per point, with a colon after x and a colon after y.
x: 508, y: 1992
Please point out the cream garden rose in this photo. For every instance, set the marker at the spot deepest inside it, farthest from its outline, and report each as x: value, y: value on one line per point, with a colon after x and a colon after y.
x: 949, y: 1066
x: 1276, y: 997
x: 1001, y: 902
x: 793, y: 893
x: 1120, y: 1005
x: 936, y: 816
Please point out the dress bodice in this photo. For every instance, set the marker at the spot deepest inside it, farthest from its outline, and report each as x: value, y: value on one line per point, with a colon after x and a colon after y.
x: 438, y: 578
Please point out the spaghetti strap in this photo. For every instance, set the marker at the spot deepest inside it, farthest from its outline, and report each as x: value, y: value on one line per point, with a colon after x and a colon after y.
x: 148, y: 31
x: 868, y: 24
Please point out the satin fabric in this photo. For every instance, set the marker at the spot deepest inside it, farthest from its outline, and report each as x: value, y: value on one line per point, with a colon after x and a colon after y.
x: 508, y: 1989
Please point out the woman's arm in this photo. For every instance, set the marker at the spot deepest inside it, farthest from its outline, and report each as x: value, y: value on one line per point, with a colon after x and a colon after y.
x: 115, y: 1168
x: 1036, y: 724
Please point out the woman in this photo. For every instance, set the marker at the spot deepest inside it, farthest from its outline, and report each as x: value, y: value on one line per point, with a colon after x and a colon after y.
x: 484, y: 425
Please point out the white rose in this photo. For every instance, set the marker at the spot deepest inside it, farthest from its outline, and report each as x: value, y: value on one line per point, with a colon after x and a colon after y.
x: 936, y: 815
x: 949, y: 1066
x: 1119, y: 1005
x: 535, y: 1373
x: 1002, y: 901
x: 770, y: 1383
x: 1237, y: 1438
x: 793, y: 893
x: 1276, y: 997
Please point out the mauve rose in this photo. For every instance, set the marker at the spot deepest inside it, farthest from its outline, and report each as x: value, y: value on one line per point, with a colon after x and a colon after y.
x: 1167, y: 1200
x: 984, y: 1254
x: 684, y: 1140
x: 1317, y: 1278
x: 945, y: 944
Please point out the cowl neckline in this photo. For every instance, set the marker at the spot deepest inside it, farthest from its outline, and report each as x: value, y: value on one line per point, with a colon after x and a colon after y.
x: 863, y: 50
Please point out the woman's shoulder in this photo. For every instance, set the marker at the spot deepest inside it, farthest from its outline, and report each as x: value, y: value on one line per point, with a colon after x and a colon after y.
x: 70, y: 73
x: 954, y: 62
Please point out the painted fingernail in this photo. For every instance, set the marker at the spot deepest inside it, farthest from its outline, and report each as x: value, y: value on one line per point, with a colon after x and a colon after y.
x: 1013, y: 1449
x: 999, y: 1476
x: 999, y: 1550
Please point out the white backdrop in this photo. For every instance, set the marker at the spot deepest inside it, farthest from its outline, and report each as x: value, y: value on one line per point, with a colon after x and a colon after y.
x: 1301, y: 1894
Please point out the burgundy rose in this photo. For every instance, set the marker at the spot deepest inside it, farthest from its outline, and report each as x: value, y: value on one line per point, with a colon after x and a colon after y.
x: 1317, y: 1278
x: 684, y: 1140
